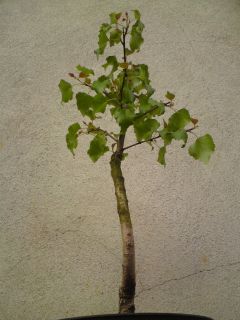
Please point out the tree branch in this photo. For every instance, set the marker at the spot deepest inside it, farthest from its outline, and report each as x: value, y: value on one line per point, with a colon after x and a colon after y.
x: 88, y: 85
x: 152, y: 139
x: 123, y: 41
x: 102, y: 130
x: 140, y: 142
x: 166, y: 104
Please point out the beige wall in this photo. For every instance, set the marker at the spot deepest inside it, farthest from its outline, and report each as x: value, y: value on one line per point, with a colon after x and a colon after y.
x: 60, y: 248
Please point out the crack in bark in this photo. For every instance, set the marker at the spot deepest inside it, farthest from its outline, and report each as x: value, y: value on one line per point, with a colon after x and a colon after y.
x: 187, y: 276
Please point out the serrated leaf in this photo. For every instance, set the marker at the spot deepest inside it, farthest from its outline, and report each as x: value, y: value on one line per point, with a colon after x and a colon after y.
x: 71, y: 137
x: 66, y: 90
x: 144, y: 128
x: 179, y: 120
x: 203, y: 148
x: 136, y: 39
x: 111, y: 61
x: 102, y: 39
x: 85, y: 70
x: 169, y: 95
x: 115, y: 36
x: 85, y: 104
x: 100, y: 84
x: 97, y: 147
x: 161, y: 156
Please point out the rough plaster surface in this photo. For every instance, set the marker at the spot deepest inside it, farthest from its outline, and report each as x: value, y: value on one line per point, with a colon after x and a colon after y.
x: 60, y: 247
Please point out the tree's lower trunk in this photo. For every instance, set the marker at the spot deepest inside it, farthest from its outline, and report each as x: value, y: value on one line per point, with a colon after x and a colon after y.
x: 127, y: 288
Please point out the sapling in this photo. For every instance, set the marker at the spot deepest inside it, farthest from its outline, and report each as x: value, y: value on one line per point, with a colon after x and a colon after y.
x: 125, y: 89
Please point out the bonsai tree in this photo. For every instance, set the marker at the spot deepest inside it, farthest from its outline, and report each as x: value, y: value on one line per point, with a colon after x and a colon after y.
x: 126, y: 91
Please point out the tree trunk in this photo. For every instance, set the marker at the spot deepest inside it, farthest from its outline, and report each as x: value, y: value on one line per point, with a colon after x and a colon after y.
x: 127, y: 288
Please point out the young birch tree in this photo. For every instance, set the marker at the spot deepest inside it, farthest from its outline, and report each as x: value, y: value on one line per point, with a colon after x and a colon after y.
x: 127, y: 92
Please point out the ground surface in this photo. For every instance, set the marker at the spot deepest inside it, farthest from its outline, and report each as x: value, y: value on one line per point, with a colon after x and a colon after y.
x: 59, y: 235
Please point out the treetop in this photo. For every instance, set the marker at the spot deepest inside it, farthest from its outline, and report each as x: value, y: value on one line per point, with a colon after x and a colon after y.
x: 125, y: 90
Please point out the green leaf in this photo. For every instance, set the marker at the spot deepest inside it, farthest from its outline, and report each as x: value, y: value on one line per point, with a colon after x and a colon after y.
x: 115, y: 37
x: 85, y: 70
x: 71, y: 137
x: 203, y: 148
x: 136, y: 39
x: 100, y: 84
x: 99, y: 103
x: 138, y: 78
x: 66, y: 90
x: 85, y: 104
x: 113, y: 99
x: 90, y: 105
x: 134, y: 82
x: 180, y: 134
x: 128, y: 52
x: 143, y: 73
x: 128, y: 96
x: 179, y: 120
x: 158, y: 107
x: 144, y: 128
x: 146, y: 104
x: 150, y: 90
x: 124, y: 117
x: 111, y: 61
x: 102, y: 39
x: 166, y: 136
x: 137, y: 14
x: 170, y: 96
x: 114, y: 17
x: 161, y: 155
x: 97, y: 147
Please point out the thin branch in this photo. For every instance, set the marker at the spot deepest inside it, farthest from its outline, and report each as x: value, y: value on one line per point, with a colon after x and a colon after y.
x: 99, y: 129
x: 89, y: 85
x: 108, y: 134
x: 146, y: 112
x: 191, y: 129
x: 140, y: 142
x: 166, y: 104
x: 154, y: 138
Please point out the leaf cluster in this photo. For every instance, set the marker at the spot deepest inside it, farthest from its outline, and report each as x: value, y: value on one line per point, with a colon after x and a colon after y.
x: 125, y: 90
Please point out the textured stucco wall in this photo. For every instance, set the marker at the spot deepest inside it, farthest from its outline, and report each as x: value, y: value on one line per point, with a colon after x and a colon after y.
x: 60, y: 243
